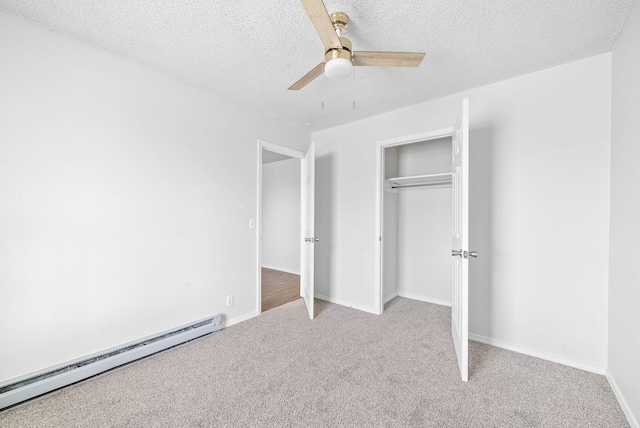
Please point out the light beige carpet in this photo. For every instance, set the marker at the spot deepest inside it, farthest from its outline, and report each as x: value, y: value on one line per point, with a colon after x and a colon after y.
x: 346, y: 368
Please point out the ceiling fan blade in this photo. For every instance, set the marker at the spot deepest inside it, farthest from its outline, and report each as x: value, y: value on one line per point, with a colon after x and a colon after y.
x: 388, y: 59
x: 320, y: 19
x: 308, y: 78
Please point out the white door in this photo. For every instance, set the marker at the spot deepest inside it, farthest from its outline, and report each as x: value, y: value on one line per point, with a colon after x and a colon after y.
x: 460, y: 234
x: 309, y: 240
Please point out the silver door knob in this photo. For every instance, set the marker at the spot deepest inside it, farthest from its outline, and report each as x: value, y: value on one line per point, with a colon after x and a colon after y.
x: 316, y: 239
x: 468, y: 254
x: 457, y: 253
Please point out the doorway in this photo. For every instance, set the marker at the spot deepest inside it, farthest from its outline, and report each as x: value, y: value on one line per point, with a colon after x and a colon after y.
x: 416, y: 230
x: 285, y: 216
x: 414, y: 218
x: 280, y: 267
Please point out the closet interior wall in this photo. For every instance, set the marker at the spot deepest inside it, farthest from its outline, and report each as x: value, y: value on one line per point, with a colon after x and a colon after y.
x: 417, y: 224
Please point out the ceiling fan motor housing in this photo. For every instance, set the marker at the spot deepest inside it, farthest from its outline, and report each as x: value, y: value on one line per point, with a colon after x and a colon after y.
x: 338, y: 63
x: 345, y: 52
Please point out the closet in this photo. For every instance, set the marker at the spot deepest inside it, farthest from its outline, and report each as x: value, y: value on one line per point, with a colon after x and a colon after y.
x: 416, y: 221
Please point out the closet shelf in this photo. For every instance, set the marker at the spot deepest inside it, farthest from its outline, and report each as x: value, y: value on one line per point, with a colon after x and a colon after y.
x: 420, y: 180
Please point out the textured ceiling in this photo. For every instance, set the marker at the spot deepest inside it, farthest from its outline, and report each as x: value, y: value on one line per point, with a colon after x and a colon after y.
x: 250, y: 52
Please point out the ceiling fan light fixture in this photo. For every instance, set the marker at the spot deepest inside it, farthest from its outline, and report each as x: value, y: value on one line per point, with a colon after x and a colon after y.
x: 338, y: 68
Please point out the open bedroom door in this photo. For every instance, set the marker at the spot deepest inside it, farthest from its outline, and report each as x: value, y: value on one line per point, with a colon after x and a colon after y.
x: 308, y: 229
x: 460, y: 240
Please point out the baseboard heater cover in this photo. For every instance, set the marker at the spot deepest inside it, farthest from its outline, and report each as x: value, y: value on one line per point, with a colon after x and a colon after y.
x: 24, y: 390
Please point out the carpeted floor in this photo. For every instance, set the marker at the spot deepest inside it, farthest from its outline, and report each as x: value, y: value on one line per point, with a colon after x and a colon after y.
x: 346, y: 368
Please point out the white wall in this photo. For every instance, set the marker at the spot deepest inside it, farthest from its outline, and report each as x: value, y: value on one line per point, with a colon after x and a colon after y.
x: 539, y: 207
x: 424, y: 225
x: 624, y: 277
x: 281, y: 215
x: 125, y: 201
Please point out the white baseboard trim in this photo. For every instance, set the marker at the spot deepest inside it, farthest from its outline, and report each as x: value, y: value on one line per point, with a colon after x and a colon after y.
x: 539, y: 354
x: 424, y: 299
x: 633, y: 421
x: 387, y: 299
x: 343, y: 303
x: 281, y: 269
x: 236, y: 320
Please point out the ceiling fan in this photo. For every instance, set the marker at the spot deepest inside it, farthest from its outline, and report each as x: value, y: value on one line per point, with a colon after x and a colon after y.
x: 339, y: 56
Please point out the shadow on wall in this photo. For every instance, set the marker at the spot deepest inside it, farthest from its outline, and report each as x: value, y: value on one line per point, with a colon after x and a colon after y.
x: 324, y: 225
x: 480, y: 230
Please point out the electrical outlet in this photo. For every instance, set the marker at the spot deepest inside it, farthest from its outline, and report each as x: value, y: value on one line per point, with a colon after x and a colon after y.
x: 230, y: 300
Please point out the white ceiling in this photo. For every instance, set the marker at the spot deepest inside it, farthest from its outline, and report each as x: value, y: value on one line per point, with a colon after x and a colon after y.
x: 250, y: 52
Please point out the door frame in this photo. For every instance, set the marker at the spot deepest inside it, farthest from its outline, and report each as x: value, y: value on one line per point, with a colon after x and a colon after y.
x: 379, y: 252
x: 276, y: 148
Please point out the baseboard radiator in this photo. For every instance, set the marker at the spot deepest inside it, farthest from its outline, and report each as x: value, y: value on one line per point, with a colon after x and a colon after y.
x: 27, y: 389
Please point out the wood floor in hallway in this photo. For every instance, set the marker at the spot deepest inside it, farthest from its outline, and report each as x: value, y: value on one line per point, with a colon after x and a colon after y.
x: 278, y: 288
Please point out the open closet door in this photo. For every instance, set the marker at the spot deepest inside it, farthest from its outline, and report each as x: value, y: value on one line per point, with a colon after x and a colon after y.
x: 308, y: 229
x: 460, y: 232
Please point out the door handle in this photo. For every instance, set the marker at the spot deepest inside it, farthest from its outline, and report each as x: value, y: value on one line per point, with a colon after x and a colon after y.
x: 464, y: 254
x: 312, y: 240
x: 468, y: 254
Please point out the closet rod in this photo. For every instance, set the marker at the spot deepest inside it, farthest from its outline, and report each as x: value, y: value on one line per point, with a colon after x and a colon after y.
x: 437, y: 183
